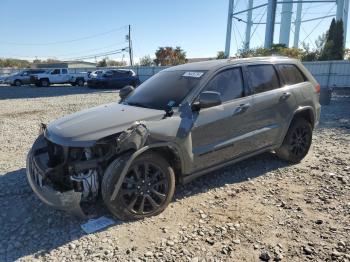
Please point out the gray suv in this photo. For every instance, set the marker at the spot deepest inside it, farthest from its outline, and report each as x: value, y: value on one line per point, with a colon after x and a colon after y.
x: 183, y: 122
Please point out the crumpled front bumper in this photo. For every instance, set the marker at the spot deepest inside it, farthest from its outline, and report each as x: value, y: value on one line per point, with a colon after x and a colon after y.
x: 68, y: 201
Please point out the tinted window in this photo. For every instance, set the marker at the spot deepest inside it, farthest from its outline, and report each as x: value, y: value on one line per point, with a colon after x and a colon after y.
x: 64, y: 71
x: 167, y: 88
x: 228, y: 83
x: 291, y: 74
x: 55, y: 72
x: 262, y: 78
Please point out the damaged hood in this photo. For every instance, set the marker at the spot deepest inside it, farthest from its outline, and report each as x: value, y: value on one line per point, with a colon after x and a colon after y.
x: 85, y: 127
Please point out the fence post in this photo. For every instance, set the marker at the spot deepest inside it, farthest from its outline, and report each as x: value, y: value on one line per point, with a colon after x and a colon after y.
x: 329, y: 73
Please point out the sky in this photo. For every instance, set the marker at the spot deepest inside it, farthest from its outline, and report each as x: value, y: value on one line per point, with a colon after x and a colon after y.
x: 71, y: 29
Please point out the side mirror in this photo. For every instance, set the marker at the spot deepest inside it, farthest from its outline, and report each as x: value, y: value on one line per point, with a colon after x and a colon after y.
x: 207, y: 99
x: 125, y: 91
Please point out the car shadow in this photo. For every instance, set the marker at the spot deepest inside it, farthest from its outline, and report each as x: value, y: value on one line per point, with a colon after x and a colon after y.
x: 28, y: 225
x: 23, y: 92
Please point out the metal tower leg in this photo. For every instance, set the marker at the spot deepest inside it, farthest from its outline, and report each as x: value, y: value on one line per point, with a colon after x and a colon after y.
x: 286, y: 20
x: 297, y: 25
x: 270, y: 23
x: 249, y: 25
x: 229, y: 29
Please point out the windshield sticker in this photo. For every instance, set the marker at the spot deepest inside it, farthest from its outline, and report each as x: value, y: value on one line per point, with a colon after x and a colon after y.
x: 193, y: 74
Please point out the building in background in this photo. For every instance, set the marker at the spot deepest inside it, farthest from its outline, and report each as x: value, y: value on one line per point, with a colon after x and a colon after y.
x: 65, y: 64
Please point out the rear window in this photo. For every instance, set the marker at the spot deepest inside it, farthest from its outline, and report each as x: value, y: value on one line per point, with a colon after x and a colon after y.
x: 291, y: 74
x: 262, y: 78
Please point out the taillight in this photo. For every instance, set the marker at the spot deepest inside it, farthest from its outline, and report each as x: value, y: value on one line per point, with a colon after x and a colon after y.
x: 318, y: 88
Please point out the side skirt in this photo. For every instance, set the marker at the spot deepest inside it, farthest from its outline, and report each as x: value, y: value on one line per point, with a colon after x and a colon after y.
x: 188, y: 178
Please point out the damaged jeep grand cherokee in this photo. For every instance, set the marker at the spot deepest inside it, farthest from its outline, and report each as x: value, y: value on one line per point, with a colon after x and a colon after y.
x: 183, y: 122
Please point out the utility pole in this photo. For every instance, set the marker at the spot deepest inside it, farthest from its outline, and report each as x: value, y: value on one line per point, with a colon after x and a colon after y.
x: 286, y: 21
x: 229, y: 29
x: 249, y: 25
x: 130, y: 46
x: 297, y: 25
x: 270, y: 23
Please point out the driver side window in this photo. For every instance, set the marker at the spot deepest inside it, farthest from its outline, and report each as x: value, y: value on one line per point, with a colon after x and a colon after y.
x: 228, y: 83
x: 55, y: 72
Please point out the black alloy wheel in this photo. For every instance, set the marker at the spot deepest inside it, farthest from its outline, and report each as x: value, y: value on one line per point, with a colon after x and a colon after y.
x: 146, y: 189
x: 297, y: 142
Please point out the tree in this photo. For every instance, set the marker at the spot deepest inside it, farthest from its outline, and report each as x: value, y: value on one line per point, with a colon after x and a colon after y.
x: 333, y: 48
x: 168, y: 56
x: 102, y: 63
x: 115, y: 63
x: 276, y: 49
x: 146, y: 61
x: 17, y: 63
x: 220, y: 55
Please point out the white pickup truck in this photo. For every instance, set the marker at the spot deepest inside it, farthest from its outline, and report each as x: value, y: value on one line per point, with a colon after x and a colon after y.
x: 58, y: 76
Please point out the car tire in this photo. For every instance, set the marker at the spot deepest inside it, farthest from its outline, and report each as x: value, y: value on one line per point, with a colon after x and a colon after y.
x: 44, y: 83
x: 142, y: 194
x: 80, y: 82
x: 17, y: 82
x: 297, y: 141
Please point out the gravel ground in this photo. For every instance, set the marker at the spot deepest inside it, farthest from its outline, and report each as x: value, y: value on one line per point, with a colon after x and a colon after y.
x: 258, y: 209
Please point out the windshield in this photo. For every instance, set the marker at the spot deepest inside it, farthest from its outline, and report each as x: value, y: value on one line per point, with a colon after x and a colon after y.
x: 165, y: 89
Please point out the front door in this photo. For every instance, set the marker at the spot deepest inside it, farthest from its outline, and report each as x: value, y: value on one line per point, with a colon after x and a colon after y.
x: 221, y: 133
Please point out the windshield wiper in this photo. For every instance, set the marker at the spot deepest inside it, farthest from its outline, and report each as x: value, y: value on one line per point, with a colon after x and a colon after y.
x: 135, y: 104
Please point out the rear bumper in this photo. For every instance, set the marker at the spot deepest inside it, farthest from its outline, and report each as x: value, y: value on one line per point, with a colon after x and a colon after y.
x: 68, y: 201
x: 318, y: 114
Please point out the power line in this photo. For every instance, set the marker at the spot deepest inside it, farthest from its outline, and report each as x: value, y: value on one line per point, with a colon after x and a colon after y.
x: 318, y: 24
x: 91, y: 50
x: 256, y: 27
x: 65, y: 41
x: 112, y: 52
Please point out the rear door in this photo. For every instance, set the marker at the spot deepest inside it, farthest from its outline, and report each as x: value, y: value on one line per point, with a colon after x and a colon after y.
x: 220, y: 133
x: 272, y: 104
x: 64, y: 77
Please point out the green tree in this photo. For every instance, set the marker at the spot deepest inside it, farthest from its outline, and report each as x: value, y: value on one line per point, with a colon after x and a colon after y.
x: 333, y: 48
x: 115, y: 63
x: 168, y: 56
x: 16, y: 63
x: 146, y: 61
x: 276, y: 49
x: 220, y: 55
x: 102, y: 63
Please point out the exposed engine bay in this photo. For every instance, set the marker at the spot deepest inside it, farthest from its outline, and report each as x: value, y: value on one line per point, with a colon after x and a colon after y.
x: 65, y: 171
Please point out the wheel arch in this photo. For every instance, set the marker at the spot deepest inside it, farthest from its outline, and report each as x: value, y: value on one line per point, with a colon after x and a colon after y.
x: 44, y: 78
x: 168, y: 150
x: 306, y: 112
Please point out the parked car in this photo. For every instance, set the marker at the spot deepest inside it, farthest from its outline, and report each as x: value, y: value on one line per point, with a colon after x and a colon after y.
x: 115, y: 78
x: 22, y: 77
x: 58, y: 76
x: 181, y: 123
x: 96, y: 73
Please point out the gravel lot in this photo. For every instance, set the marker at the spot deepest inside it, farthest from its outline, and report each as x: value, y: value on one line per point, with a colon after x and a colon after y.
x: 259, y: 209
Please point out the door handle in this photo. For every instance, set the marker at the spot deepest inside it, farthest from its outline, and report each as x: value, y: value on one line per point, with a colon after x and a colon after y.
x: 241, y: 109
x: 285, y: 96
